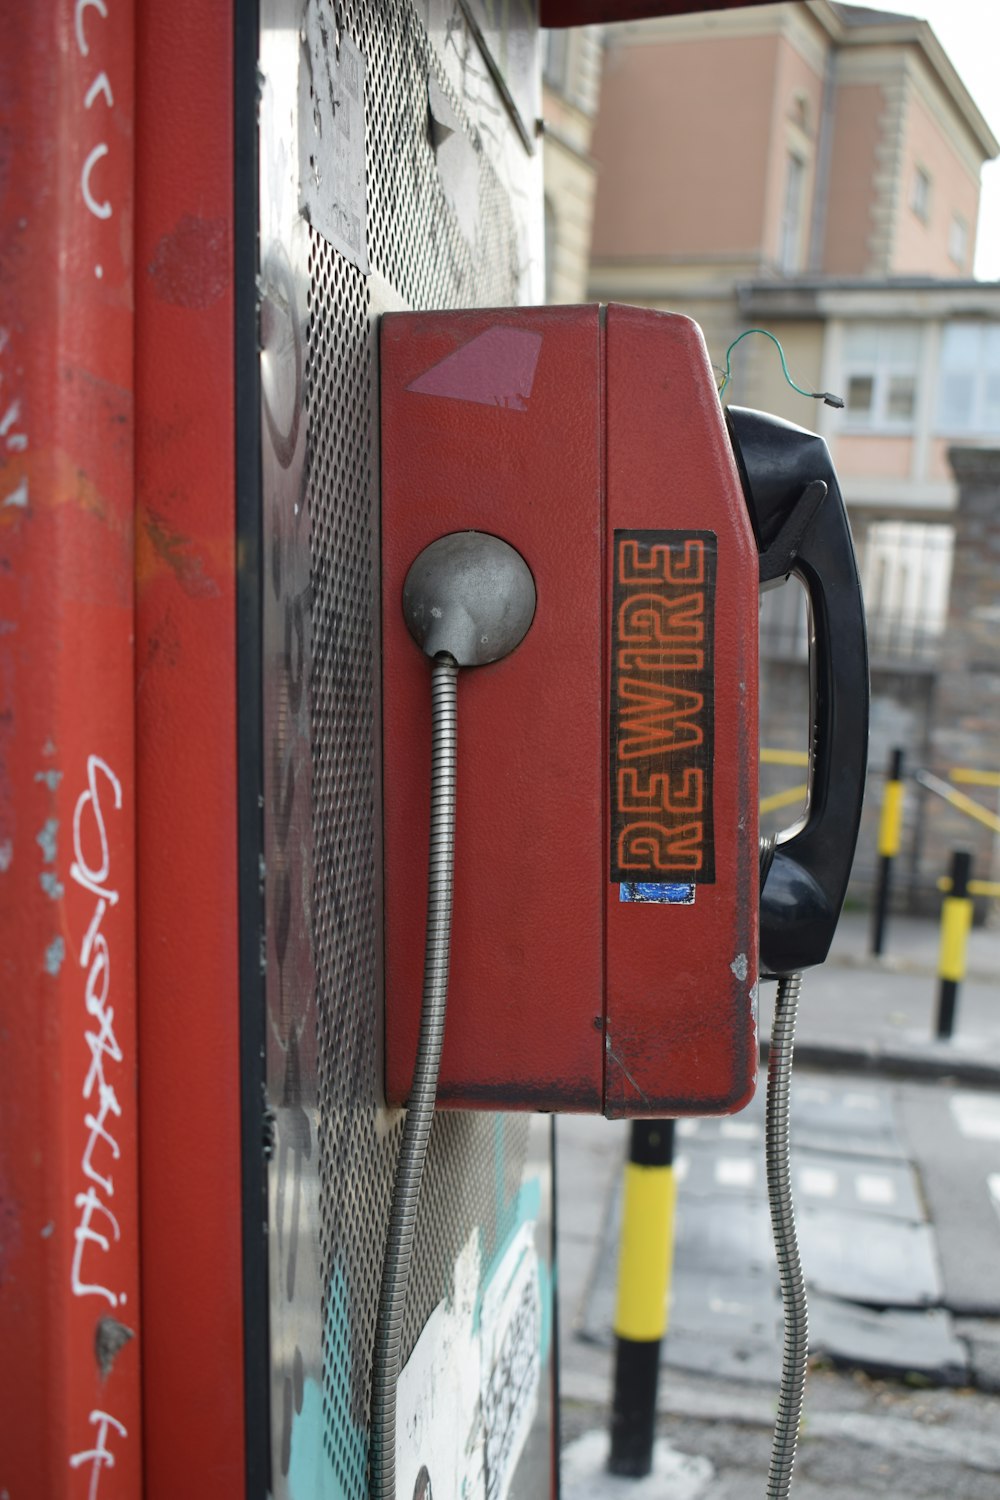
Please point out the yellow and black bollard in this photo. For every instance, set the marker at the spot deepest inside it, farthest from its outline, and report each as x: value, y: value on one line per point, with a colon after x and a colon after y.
x: 644, y: 1263
x: 890, y: 829
x: 956, y: 922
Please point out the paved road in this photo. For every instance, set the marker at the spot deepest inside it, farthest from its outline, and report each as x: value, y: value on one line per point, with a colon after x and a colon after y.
x: 861, y: 1437
x: 896, y: 1152
x: 861, y: 1013
x: 896, y: 1187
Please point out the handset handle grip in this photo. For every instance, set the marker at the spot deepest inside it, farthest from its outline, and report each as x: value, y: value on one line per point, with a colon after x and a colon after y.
x: 800, y: 521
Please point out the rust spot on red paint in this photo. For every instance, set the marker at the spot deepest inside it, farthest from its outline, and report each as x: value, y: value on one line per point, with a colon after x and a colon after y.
x: 178, y: 553
x: 191, y: 265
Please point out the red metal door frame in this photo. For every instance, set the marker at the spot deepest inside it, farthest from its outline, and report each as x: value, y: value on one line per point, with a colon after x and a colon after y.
x: 187, y: 860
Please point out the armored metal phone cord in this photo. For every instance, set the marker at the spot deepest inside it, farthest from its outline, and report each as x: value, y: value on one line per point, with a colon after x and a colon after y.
x: 420, y: 1110
x: 793, y: 1287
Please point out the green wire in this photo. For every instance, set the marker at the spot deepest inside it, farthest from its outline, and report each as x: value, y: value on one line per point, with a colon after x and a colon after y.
x: 813, y: 395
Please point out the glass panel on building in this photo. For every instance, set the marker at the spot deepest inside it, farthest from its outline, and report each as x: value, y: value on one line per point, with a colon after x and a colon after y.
x: 920, y: 194
x: 789, y: 251
x: 956, y: 401
x: 958, y: 240
x: 881, y: 364
x: 901, y: 398
x: 968, y: 396
x: 860, y: 390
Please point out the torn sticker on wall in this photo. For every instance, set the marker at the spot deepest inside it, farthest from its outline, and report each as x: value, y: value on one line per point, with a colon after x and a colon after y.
x: 332, y: 192
x: 468, y: 1392
x: 456, y: 158
x: 496, y: 368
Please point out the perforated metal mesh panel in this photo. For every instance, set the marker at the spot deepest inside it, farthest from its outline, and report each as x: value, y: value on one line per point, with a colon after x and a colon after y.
x: 335, y: 1146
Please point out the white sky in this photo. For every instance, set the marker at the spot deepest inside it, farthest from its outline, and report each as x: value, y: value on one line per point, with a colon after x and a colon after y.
x: 969, y: 31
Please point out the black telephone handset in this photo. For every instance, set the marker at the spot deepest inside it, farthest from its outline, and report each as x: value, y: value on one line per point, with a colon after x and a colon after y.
x: 801, y: 527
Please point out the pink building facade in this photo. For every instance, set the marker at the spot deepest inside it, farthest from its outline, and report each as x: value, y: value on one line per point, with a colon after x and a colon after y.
x: 813, y: 169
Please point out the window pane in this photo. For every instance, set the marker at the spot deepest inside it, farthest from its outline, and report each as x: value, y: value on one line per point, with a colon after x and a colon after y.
x: 861, y: 344
x: 900, y: 345
x: 991, y: 346
x: 956, y: 401
x: 860, y: 389
x: 920, y: 194
x: 554, y: 58
x: 991, y: 404
x: 960, y: 345
x: 901, y: 398
x: 791, y: 221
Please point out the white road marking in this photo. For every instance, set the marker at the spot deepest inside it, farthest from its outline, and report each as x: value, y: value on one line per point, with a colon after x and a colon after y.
x: 993, y: 1183
x: 735, y: 1171
x: 861, y: 1101
x: 681, y: 1167
x: 977, y: 1116
x: 688, y: 1127
x: 817, y: 1182
x: 874, y: 1187
x: 721, y: 1305
x: 739, y: 1130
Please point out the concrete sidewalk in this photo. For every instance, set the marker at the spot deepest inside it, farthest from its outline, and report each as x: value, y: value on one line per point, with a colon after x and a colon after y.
x: 870, y: 1024
x: 863, y: 1014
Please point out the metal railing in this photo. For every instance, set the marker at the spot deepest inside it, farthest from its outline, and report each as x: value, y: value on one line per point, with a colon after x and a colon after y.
x: 905, y: 569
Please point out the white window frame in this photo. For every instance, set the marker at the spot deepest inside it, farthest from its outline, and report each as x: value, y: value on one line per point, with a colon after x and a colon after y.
x: 881, y: 370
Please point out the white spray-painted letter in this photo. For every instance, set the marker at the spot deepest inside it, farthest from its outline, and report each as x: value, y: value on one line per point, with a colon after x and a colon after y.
x: 99, y: 1456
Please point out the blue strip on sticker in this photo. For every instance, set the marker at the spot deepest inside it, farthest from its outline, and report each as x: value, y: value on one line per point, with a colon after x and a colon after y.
x: 652, y: 892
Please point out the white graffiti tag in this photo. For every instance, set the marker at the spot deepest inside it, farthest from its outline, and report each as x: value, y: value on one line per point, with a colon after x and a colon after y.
x: 96, y: 1225
x: 99, y: 1456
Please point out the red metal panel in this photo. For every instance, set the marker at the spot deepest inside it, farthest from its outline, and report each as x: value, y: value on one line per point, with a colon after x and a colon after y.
x: 680, y: 1025
x: 590, y: 12
x: 562, y: 994
x: 69, y: 1283
x: 186, y: 737
x: 491, y: 421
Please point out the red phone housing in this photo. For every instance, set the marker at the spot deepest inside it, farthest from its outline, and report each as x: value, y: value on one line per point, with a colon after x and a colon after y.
x: 604, y: 938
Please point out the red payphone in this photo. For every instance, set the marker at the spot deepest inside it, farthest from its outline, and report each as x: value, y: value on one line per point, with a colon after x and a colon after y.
x: 563, y: 498
x: 606, y: 895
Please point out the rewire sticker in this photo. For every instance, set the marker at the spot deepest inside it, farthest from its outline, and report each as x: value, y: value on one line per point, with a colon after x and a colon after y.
x: 654, y: 893
x: 662, y: 707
